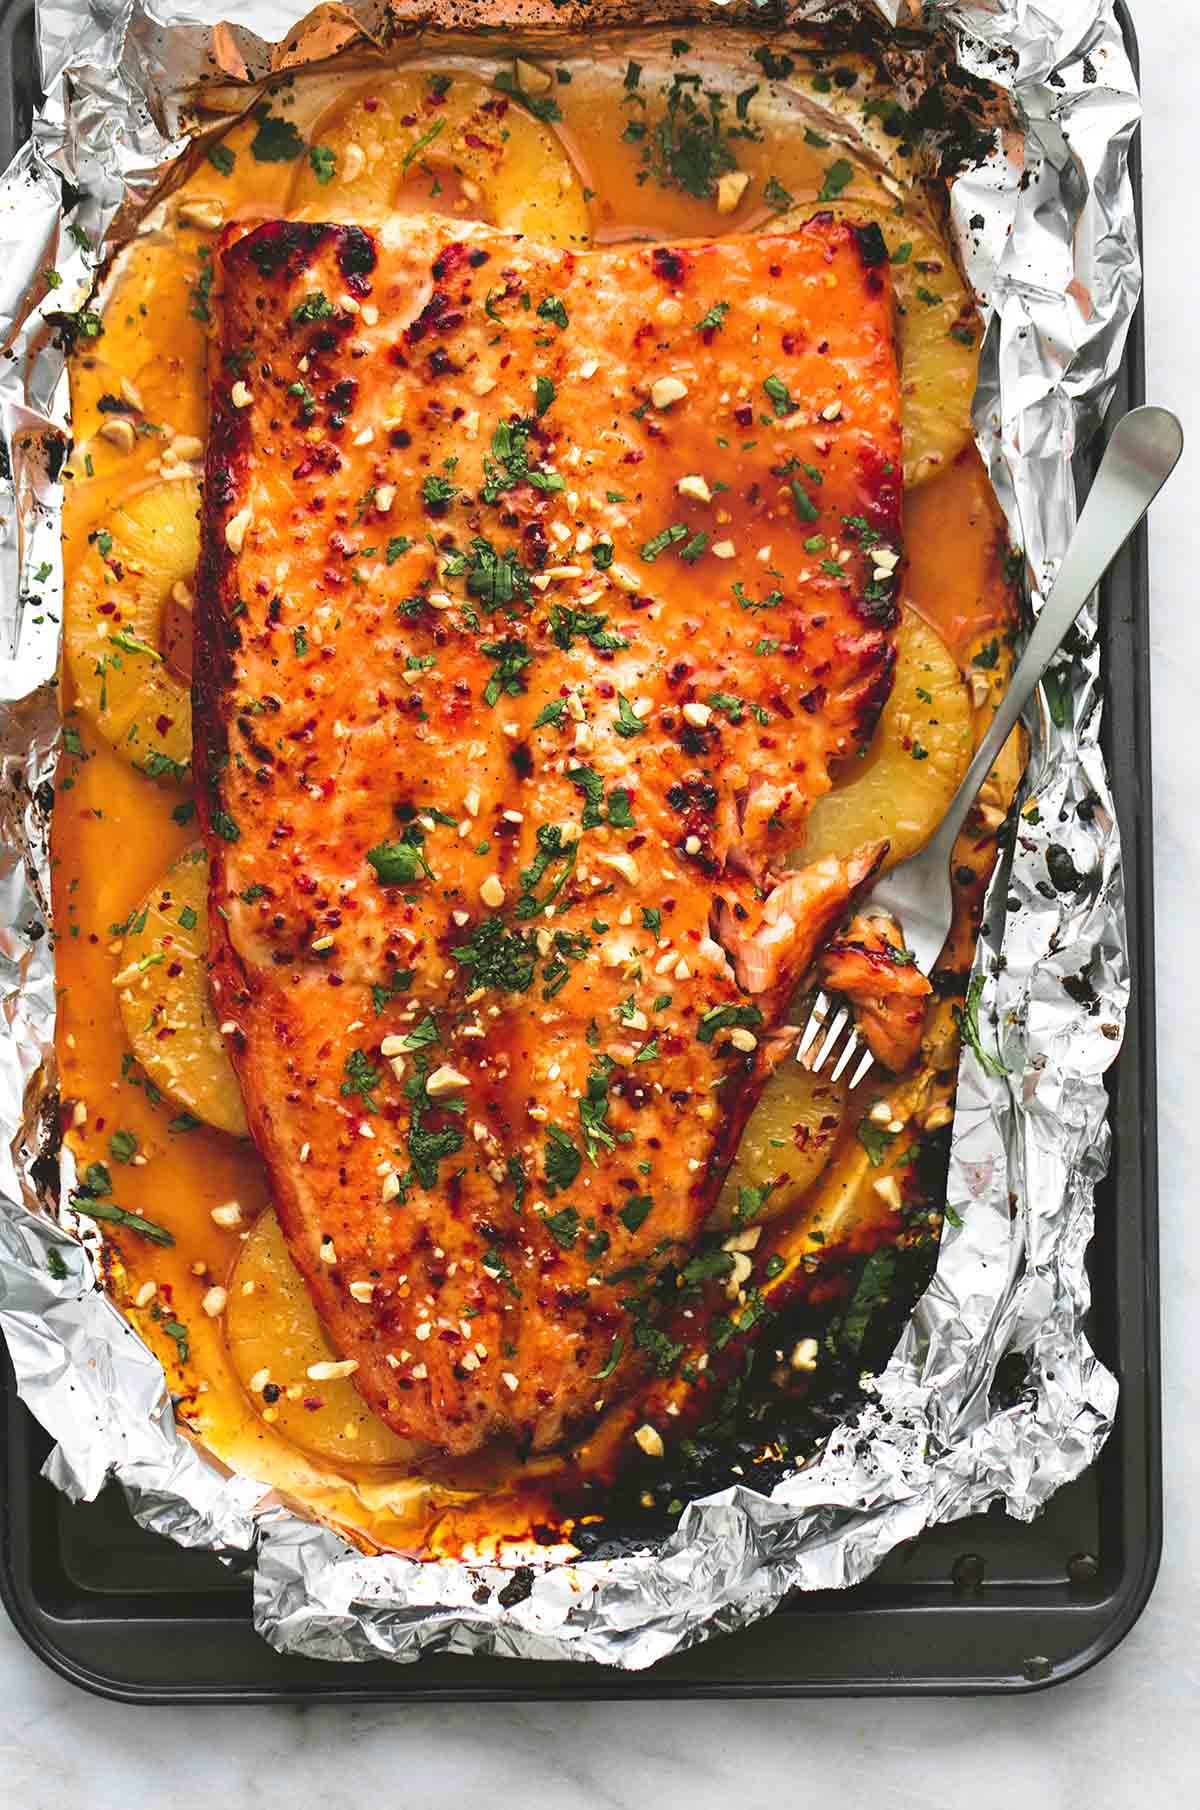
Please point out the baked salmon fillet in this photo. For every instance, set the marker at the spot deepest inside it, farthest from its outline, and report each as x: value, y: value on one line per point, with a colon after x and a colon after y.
x: 538, y: 592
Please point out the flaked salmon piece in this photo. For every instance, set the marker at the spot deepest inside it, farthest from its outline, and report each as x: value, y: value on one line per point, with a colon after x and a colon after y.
x: 537, y: 597
x: 784, y: 933
x: 869, y: 965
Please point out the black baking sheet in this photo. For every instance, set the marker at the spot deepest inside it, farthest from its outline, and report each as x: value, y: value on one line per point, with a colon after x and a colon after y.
x: 985, y: 1605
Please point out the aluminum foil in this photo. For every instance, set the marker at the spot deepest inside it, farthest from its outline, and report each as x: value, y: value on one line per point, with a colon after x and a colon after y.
x: 1047, y: 235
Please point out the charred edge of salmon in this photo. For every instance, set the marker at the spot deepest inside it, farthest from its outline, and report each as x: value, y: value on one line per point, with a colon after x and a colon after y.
x: 878, y: 689
x: 278, y: 250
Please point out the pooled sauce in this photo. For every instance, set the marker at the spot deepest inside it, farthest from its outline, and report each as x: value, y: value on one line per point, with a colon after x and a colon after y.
x: 651, y: 142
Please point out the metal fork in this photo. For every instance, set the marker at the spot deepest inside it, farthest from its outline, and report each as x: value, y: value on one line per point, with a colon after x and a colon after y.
x: 1140, y: 457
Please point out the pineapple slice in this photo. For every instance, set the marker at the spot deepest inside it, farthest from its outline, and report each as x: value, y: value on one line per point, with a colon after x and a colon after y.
x: 854, y: 1203
x: 788, y: 1141
x: 248, y: 173
x: 275, y: 1338
x: 968, y: 598
x: 162, y: 992
x: 900, y: 787
x: 426, y: 143
x: 127, y: 629
x: 939, y: 334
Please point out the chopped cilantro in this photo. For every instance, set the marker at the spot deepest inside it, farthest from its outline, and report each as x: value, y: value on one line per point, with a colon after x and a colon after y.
x: 421, y: 1035
x: 398, y: 982
x: 566, y: 623
x: 360, y: 1079
x: 512, y: 656
x: 806, y: 509
x: 398, y: 863
x: 438, y: 493
x: 714, y: 320
x: 563, y: 1227
x: 593, y: 1110
x: 498, y: 958
x: 690, y: 147
x: 418, y: 145
x: 668, y: 537
x: 871, y: 1292
x: 542, y: 106
x: 561, y: 1161
x: 619, y: 813
x: 122, y: 1146
x: 876, y: 1140
x: 316, y: 306
x: 627, y: 724
x: 324, y: 163
x: 636, y: 1211
x: 967, y: 1020
x: 496, y: 578
x: 551, y: 309
x: 707, y: 1267
x: 719, y: 1018
x: 837, y: 176
x: 510, y: 446
x: 277, y: 140
x: 550, y: 848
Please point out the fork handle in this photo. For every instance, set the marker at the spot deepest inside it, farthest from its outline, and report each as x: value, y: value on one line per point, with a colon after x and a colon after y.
x: 1140, y: 457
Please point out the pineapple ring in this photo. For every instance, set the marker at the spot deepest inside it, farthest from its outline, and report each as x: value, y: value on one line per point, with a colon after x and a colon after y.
x: 900, y: 787
x: 429, y: 143
x: 939, y: 334
x: 127, y: 628
x: 274, y: 1336
x: 162, y: 992
x: 788, y: 1142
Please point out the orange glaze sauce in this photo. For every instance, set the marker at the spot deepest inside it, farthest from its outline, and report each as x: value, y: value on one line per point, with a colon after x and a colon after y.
x: 116, y: 830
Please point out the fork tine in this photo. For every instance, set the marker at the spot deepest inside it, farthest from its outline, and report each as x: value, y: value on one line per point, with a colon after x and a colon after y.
x: 835, y: 1031
x: 862, y: 1069
x: 816, y: 1018
x: 849, y: 1049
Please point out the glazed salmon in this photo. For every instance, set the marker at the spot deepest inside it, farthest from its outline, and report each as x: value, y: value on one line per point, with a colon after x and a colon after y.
x: 869, y: 966
x: 538, y: 592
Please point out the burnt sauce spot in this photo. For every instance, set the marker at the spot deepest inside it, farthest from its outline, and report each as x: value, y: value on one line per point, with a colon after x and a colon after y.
x: 1064, y: 875
x: 356, y: 254
x: 281, y: 246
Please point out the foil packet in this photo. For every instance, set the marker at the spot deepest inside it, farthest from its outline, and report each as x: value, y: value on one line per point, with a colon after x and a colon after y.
x: 1046, y: 232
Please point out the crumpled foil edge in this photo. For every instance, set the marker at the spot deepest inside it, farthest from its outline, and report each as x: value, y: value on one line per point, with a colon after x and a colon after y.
x: 1053, y: 255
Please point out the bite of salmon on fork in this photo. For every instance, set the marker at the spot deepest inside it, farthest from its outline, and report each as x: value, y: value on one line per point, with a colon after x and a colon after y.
x: 538, y: 594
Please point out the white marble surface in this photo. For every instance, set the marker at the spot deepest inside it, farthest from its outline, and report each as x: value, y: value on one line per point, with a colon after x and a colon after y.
x: 1127, y: 1731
